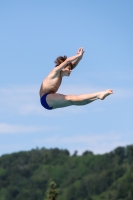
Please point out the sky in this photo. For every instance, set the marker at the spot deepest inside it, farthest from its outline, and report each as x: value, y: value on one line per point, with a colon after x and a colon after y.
x: 32, y: 34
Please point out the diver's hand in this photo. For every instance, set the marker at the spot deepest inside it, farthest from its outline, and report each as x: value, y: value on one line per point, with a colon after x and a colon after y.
x: 80, y: 51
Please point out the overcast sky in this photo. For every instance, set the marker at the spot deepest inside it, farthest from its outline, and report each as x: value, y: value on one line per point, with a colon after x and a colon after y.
x: 32, y: 34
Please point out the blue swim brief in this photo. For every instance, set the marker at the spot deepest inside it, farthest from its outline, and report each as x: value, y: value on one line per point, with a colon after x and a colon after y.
x: 44, y: 102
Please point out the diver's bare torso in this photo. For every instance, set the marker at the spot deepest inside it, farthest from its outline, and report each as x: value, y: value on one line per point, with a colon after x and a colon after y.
x: 51, y: 83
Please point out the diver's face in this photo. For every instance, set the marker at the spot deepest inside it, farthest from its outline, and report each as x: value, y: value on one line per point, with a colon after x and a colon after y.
x: 67, y: 71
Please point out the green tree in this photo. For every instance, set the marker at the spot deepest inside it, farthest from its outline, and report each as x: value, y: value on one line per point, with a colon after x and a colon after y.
x: 52, y: 192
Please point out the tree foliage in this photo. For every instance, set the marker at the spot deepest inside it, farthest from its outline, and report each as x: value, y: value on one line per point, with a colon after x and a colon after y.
x: 52, y: 192
x: 26, y: 175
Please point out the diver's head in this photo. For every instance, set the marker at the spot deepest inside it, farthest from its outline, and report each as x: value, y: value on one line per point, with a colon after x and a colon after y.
x: 66, y: 71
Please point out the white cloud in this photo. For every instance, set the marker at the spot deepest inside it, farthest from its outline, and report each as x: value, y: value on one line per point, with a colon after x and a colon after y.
x: 115, y: 75
x: 20, y: 100
x: 85, y: 139
x: 98, y: 143
x: 13, y: 128
x: 26, y: 101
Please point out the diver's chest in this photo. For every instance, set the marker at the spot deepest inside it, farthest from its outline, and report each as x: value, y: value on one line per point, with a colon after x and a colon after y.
x: 55, y: 82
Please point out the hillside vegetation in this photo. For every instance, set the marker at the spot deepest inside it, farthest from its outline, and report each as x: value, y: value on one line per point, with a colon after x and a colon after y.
x: 26, y: 175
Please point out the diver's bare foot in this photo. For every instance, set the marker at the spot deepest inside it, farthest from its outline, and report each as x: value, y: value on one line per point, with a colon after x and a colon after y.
x: 104, y: 94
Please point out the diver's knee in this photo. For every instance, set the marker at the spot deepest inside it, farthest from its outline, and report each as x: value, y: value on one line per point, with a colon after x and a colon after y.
x: 74, y: 99
x: 70, y: 99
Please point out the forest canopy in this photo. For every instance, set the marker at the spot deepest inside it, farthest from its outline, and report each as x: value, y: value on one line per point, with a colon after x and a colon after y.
x: 26, y: 175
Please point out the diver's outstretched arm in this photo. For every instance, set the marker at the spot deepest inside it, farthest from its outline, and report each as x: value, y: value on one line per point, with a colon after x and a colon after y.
x: 66, y: 62
x: 75, y: 62
x: 70, y: 59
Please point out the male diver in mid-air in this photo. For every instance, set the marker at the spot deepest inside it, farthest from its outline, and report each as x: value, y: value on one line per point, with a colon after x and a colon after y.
x: 64, y: 66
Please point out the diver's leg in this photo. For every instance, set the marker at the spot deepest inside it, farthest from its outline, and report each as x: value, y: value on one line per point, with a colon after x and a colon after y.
x: 58, y: 100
